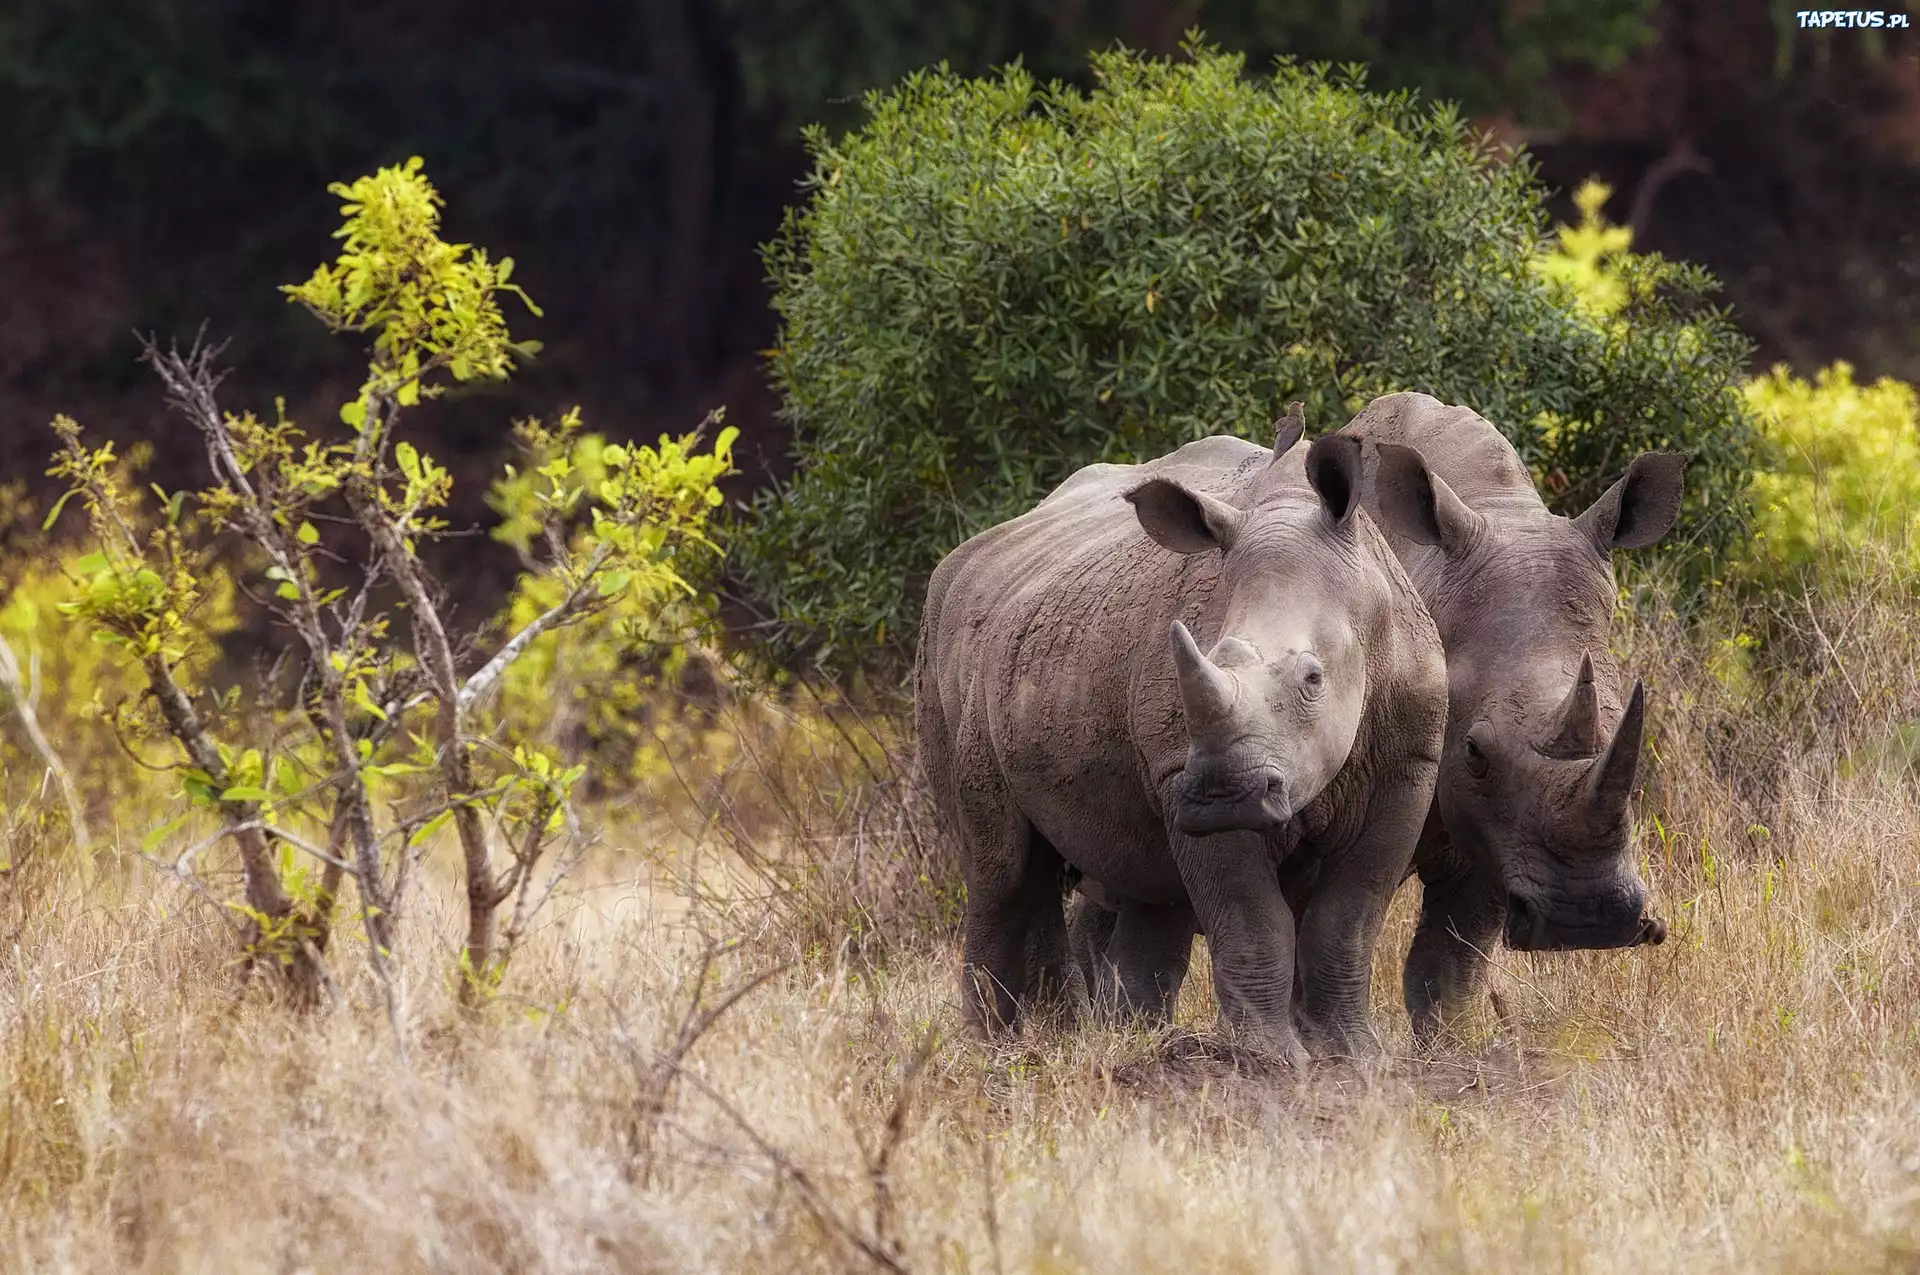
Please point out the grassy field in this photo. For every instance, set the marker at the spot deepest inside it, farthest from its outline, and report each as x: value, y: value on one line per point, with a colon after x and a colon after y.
x: 1744, y: 1098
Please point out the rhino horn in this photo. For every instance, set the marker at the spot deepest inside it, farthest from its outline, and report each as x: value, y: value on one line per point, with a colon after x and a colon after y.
x: 1206, y: 689
x: 1610, y: 782
x: 1576, y: 731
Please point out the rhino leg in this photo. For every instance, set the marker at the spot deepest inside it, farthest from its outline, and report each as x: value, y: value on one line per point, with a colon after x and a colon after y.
x: 1250, y: 935
x: 1462, y: 909
x: 1134, y: 957
x: 1341, y: 920
x: 1337, y: 937
x: 1015, y: 951
x: 1048, y: 984
x: 1090, y: 928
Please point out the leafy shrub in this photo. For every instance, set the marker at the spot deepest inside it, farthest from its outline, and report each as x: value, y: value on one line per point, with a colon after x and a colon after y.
x: 298, y: 779
x: 85, y: 686
x: 1838, y: 474
x: 993, y: 283
x: 1587, y: 259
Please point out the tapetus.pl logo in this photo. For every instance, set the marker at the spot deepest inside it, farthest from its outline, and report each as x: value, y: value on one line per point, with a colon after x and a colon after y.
x: 1825, y: 19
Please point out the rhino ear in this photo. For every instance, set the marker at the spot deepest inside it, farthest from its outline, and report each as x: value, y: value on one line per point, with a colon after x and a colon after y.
x: 1289, y: 430
x: 1333, y: 467
x: 1182, y: 520
x: 1414, y: 502
x: 1637, y: 510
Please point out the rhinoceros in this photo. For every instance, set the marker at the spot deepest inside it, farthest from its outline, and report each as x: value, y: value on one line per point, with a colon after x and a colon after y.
x: 1528, y: 838
x: 1204, y: 686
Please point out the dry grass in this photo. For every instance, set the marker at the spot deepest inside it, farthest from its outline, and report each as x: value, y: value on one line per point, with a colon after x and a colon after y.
x: 1745, y: 1098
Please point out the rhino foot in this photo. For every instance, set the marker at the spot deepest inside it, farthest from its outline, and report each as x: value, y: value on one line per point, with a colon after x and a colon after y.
x: 1239, y: 1052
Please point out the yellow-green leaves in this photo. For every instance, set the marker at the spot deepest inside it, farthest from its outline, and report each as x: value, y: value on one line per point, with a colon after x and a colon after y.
x: 639, y: 516
x: 1839, y: 475
x: 431, y: 309
x: 1588, y: 258
x: 431, y: 306
x: 135, y: 588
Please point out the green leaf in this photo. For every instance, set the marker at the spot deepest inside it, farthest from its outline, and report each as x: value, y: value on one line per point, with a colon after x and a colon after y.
x: 408, y: 458
x: 91, y: 564
x: 354, y: 413
x: 246, y: 792
x: 155, y: 836
x: 393, y: 770
x: 430, y: 827
x: 307, y: 534
x: 364, y: 701
x: 53, y: 515
x: 289, y: 590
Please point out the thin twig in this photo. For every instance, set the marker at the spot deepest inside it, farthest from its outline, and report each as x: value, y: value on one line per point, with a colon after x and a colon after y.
x: 816, y: 1203
x: 23, y: 706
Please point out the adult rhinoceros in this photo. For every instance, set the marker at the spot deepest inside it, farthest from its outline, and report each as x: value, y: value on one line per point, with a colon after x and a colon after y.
x: 1528, y: 838
x: 1071, y: 726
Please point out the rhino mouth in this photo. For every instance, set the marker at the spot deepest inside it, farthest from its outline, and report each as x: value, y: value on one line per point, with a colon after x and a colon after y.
x: 1532, y: 927
x: 1242, y: 803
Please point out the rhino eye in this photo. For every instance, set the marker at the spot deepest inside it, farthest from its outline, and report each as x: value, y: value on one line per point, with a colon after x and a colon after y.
x: 1312, y: 677
x: 1477, y: 762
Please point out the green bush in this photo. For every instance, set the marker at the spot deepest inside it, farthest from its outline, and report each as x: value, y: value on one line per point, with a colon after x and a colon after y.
x: 994, y: 282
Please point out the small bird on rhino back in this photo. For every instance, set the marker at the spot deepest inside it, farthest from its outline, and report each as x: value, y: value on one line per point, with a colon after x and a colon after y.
x: 1204, y: 687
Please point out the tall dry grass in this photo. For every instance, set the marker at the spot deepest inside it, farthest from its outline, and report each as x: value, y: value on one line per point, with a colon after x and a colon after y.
x: 1744, y: 1098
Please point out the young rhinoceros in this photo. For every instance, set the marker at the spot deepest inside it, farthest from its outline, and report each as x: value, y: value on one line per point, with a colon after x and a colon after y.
x: 1205, y: 684
x: 1530, y: 838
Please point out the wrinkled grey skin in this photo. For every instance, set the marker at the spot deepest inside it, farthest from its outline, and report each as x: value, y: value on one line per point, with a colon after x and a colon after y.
x: 1528, y: 839
x: 1071, y: 729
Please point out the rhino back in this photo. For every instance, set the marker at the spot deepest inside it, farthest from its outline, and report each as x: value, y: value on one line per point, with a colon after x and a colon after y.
x: 1463, y: 447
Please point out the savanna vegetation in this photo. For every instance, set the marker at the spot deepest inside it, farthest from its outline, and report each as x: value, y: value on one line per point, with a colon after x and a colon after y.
x: 584, y: 936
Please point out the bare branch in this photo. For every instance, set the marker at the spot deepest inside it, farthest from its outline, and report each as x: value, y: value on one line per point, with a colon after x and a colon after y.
x: 559, y: 613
